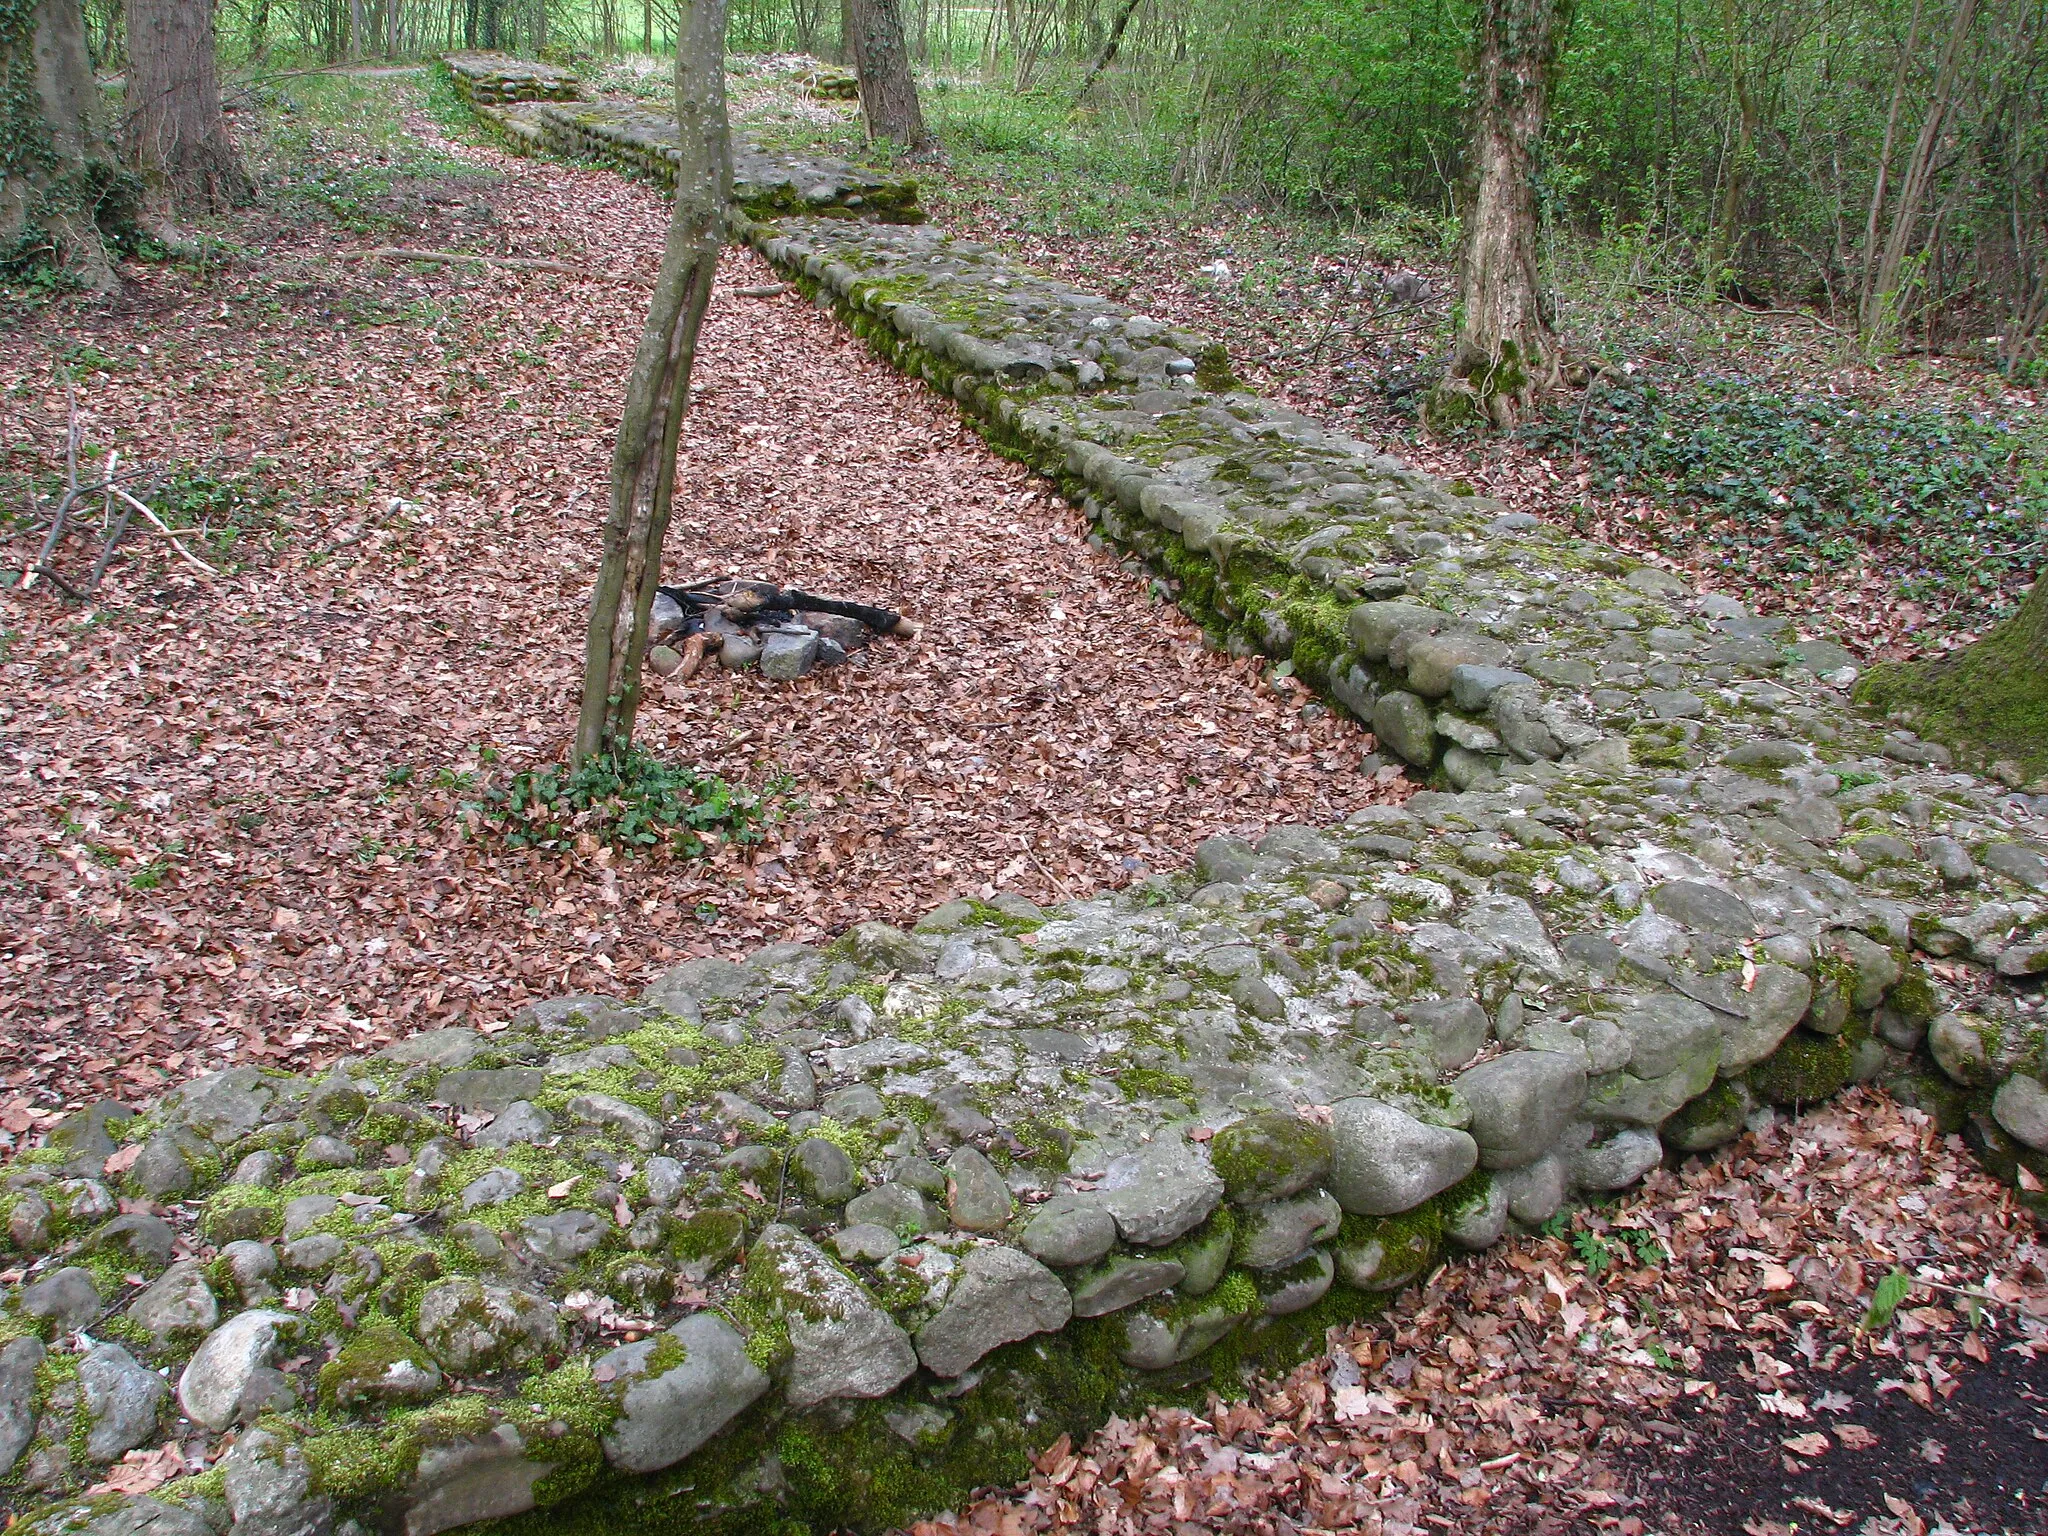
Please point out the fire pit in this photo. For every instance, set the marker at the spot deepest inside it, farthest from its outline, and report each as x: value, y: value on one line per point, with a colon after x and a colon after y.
x: 784, y: 632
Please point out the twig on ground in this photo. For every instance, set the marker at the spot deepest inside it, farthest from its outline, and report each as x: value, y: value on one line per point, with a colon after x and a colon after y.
x: 519, y: 263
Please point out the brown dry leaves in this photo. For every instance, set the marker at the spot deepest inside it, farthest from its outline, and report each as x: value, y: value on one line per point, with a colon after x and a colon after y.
x: 1517, y: 1392
x: 230, y: 811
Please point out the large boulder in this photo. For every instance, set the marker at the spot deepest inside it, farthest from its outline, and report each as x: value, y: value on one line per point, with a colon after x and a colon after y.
x: 676, y: 1391
x: 1521, y: 1102
x: 471, y: 1328
x: 1000, y: 1295
x: 1388, y: 1161
x: 839, y: 1340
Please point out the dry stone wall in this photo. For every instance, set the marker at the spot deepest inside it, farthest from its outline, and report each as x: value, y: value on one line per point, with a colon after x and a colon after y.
x: 829, y: 1236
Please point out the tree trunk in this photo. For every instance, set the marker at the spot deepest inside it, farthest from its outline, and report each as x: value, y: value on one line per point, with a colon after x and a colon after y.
x: 1505, y: 357
x: 644, y: 461
x: 1109, y: 47
x: 1988, y: 701
x: 177, y: 138
x: 1880, y: 316
x: 888, y: 93
x: 60, y: 183
x: 1724, y: 240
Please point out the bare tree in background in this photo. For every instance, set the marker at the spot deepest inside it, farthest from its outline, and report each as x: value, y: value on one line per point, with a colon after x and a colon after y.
x: 177, y: 137
x: 644, y: 462
x: 888, y: 92
x: 60, y: 183
x: 1506, y: 356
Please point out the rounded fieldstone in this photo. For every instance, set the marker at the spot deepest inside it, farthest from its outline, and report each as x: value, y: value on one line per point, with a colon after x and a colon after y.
x: 823, y: 1171
x: 1520, y: 1102
x: 148, y: 1241
x: 976, y: 1194
x: 20, y: 1359
x: 210, y: 1390
x: 2021, y: 1107
x: 1405, y: 725
x: 1269, y: 1156
x: 896, y: 1206
x: 66, y: 1298
x: 314, y: 1253
x: 470, y: 1327
x: 493, y: 1188
x: 1708, y: 907
x: 563, y: 1237
x: 178, y: 1306
x: 866, y: 1241
x: 1299, y: 1286
x: 1277, y: 1233
x: 1068, y: 1230
x: 1478, y: 1223
x: 1617, y: 1162
x: 326, y: 1152
x: 251, y: 1265
x: 1387, y: 1161
x: 122, y: 1402
x: 1535, y: 1190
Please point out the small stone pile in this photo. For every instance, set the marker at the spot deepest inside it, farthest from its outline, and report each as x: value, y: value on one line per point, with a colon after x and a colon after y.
x: 755, y: 624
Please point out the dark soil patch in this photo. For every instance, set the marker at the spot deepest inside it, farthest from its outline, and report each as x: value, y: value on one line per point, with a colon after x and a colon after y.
x: 1977, y: 1459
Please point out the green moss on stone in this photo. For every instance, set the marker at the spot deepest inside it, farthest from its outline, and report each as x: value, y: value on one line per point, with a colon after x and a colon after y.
x: 1805, y: 1069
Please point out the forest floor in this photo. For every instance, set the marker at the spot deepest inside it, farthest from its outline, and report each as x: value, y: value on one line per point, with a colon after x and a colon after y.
x: 231, y: 808
x: 231, y: 825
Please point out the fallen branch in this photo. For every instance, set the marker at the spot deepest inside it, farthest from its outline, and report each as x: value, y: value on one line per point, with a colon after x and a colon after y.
x: 757, y: 291
x: 519, y: 263
x: 168, y: 532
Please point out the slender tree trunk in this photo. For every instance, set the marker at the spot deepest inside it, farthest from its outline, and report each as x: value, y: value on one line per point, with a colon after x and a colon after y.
x: 1724, y: 241
x: 177, y: 137
x: 888, y: 91
x: 644, y: 461
x: 1506, y: 356
x: 1880, y: 315
x: 60, y: 183
x: 1104, y: 59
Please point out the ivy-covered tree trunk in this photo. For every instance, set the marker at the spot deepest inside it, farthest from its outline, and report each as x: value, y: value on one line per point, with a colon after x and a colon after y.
x: 1988, y: 702
x: 1506, y: 356
x: 61, y: 185
x: 881, y: 59
x: 177, y: 137
x: 644, y: 461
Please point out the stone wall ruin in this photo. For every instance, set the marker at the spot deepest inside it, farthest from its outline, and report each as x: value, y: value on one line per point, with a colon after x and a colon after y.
x: 835, y: 1234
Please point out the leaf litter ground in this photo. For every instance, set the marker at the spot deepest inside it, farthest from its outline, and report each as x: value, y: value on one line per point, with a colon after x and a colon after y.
x: 1689, y: 1359
x: 230, y: 810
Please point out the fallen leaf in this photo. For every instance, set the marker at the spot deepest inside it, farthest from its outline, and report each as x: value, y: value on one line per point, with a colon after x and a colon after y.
x: 1855, y: 1437
x: 1813, y: 1443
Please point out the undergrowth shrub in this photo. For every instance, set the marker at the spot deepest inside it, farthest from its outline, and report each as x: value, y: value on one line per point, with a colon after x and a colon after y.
x: 1957, y: 502
x: 631, y: 801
